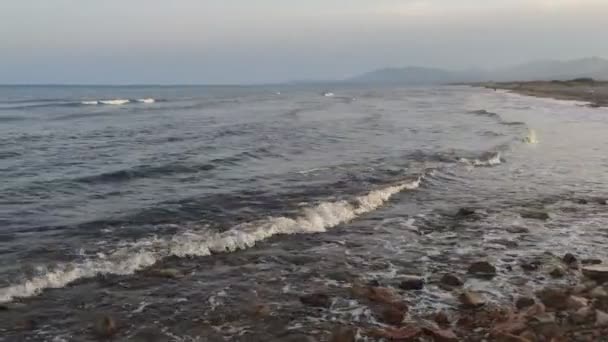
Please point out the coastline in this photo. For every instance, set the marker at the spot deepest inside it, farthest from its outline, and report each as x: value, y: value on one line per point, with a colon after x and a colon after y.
x: 593, y: 92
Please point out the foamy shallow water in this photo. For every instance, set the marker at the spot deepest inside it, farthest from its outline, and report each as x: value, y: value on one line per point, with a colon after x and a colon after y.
x: 183, y: 215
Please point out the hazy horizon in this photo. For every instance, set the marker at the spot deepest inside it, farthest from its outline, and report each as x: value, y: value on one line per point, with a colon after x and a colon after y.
x: 271, y: 41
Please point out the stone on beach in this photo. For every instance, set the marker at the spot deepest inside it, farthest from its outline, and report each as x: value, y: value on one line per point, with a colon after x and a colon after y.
x: 451, y: 280
x: 535, y: 215
x: 317, y: 300
x: 411, y: 283
x: 482, y: 269
x: 597, y: 272
x: 105, y: 326
x: 470, y: 299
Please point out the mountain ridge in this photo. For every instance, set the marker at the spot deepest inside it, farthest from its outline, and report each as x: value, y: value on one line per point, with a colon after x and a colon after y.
x: 540, y: 70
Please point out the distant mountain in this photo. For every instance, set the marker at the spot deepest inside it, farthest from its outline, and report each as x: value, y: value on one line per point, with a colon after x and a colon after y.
x: 409, y: 75
x: 593, y: 67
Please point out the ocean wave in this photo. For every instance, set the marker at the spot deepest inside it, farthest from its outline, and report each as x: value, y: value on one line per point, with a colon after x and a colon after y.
x: 76, y: 103
x: 491, y: 159
x: 483, y: 112
x: 146, y: 252
x: 114, y: 102
x: 144, y: 172
x: 118, y: 102
x: 531, y: 137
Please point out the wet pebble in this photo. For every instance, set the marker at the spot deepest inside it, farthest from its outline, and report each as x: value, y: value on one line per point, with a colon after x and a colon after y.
x: 569, y: 258
x: 596, y: 272
x: 316, y: 300
x: 482, y: 269
x: 535, y: 215
x: 105, y: 326
x: 524, y: 302
x: 343, y: 334
x: 557, y: 272
x: 411, y: 283
x: 470, y: 299
x: 451, y: 280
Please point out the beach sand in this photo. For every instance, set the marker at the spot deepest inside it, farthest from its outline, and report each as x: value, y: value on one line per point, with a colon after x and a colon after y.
x: 587, y: 90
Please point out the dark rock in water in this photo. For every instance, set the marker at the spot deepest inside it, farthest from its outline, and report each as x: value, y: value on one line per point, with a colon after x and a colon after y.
x: 316, y: 299
x: 557, y: 272
x: 596, y: 272
x: 576, y: 303
x: 533, y: 265
x: 105, y: 327
x: 261, y: 310
x: 149, y: 335
x: 451, y: 280
x: 341, y: 276
x: 408, y: 333
x: 524, y: 302
x: 601, y: 318
x: 518, y: 230
x: 169, y: 273
x: 464, y: 212
x: 373, y: 282
x: 505, y: 242
x: 598, y: 292
x: 601, y: 201
x: 441, y: 318
x: 26, y: 324
x: 482, y: 268
x: 591, y: 261
x: 506, y: 337
x: 545, y: 325
x: 582, y: 316
x: 295, y: 338
x: 392, y: 315
x: 470, y: 299
x: 440, y: 335
x: 569, y: 258
x: 343, y: 334
x: 412, y: 283
x: 554, y: 298
x: 535, y: 215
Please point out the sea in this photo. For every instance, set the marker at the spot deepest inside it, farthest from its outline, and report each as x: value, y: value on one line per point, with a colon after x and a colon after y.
x: 204, y: 213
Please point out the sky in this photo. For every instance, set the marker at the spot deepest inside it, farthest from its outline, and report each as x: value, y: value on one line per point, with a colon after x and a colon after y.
x: 266, y: 41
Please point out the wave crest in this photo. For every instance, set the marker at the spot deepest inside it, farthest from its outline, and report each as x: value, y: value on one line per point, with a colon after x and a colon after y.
x: 146, y: 252
x: 491, y: 159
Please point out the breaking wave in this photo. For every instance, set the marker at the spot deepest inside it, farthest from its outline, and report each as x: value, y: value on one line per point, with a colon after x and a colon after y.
x: 497, y: 117
x: 491, y: 159
x: 146, y: 100
x: 117, y: 102
x: 146, y: 252
x: 531, y: 137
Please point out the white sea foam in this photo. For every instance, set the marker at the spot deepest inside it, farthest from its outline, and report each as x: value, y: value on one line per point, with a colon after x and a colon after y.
x: 493, y: 160
x: 146, y: 100
x: 114, y: 102
x: 146, y: 252
x: 531, y: 137
x: 90, y: 102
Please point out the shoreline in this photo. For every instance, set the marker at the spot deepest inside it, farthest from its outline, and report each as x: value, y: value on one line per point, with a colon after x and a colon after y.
x: 571, y: 311
x: 594, y: 93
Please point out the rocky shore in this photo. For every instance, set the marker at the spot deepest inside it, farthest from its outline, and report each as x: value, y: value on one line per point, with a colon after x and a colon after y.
x: 574, y: 312
x: 587, y: 90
